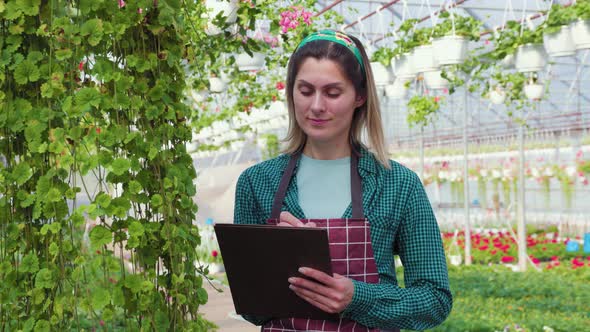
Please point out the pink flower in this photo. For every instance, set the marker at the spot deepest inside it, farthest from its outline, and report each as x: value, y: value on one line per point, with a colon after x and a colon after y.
x: 214, y: 253
x: 81, y: 66
x: 280, y: 85
x: 139, y: 10
x: 507, y: 259
x: 121, y: 3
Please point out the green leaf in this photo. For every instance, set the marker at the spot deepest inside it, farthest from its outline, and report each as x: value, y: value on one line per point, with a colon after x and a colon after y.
x: 13, y: 11
x: 100, y: 236
x: 202, y: 296
x: 100, y: 298
x: 54, y: 195
x: 157, y: 200
x: 93, y: 30
x: 136, y: 229
x: 88, y: 97
x: 44, y: 279
x: 103, y: 200
x: 25, y: 72
x: 53, y: 249
x: 153, y: 153
x: 63, y: 54
x: 133, y: 242
x: 162, y: 321
x: 133, y: 282
x: 120, y: 165
x: 21, y: 173
x: 135, y: 187
x: 29, y: 324
x: 42, y: 326
x: 29, y: 7
x: 29, y: 263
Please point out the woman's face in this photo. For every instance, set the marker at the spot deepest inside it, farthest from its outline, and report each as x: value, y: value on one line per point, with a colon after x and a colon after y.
x: 324, y: 101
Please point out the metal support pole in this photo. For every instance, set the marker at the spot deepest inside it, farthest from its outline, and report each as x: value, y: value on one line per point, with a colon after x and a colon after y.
x: 522, y: 257
x: 466, y: 181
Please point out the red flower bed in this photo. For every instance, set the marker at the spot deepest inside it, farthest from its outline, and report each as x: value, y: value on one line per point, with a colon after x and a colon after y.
x: 496, y: 247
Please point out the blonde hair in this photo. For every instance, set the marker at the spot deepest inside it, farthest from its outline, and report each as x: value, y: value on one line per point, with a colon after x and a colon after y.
x: 366, y: 117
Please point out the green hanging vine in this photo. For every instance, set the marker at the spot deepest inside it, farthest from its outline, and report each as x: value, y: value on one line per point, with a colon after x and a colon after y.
x: 96, y: 185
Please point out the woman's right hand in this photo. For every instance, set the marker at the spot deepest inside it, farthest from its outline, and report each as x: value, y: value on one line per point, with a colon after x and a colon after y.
x: 288, y: 220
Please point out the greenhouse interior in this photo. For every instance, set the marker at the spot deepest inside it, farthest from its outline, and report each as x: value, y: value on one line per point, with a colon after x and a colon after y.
x: 127, y: 124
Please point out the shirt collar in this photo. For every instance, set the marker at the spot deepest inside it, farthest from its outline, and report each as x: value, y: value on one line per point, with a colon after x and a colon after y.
x: 367, y: 162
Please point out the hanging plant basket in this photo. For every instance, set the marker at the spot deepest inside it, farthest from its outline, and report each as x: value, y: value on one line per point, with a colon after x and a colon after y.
x: 450, y: 50
x: 217, y: 85
x: 434, y: 80
x: 534, y: 91
x: 580, y: 31
x: 424, y: 59
x: 455, y: 259
x: 381, y: 74
x: 397, y: 90
x: 403, y: 66
x: 560, y: 43
x: 246, y: 62
x: 530, y: 57
x: 497, y: 95
x: 214, y: 7
x: 508, y: 61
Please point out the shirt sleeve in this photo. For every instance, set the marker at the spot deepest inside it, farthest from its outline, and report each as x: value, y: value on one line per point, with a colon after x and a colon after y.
x: 426, y: 300
x: 247, y: 211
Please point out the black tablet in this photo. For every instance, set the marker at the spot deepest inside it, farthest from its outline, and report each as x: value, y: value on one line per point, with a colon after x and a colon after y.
x: 259, y: 259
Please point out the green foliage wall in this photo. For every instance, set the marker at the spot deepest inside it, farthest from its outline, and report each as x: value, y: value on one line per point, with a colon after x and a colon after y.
x: 93, y: 89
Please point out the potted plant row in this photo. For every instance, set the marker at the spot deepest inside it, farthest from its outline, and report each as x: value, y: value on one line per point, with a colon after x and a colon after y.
x: 567, y: 28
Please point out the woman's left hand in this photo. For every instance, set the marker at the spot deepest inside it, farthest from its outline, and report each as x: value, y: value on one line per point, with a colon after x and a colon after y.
x: 330, y: 294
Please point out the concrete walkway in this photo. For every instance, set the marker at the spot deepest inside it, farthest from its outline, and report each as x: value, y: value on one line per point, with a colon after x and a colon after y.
x: 220, y: 310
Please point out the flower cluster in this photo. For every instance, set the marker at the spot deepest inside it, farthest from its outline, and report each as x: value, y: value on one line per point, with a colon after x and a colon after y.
x: 498, y: 246
x: 293, y: 17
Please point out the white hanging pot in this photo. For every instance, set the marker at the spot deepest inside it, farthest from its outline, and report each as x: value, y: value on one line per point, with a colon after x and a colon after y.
x: 508, y: 61
x: 424, y: 60
x: 580, y: 31
x: 214, y: 7
x: 381, y: 75
x: 403, y: 66
x: 216, y: 85
x: 534, y: 91
x: 246, y: 62
x: 530, y: 57
x: 455, y: 259
x: 559, y: 43
x: 435, y: 81
x: 199, y: 96
x: 497, y: 96
x: 450, y: 50
x: 397, y: 90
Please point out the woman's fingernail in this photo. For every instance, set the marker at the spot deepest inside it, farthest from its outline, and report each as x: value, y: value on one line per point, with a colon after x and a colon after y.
x: 291, y: 287
x: 292, y: 280
x: 302, y: 270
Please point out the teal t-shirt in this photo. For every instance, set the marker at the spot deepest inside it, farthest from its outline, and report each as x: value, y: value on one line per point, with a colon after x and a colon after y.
x: 323, y: 187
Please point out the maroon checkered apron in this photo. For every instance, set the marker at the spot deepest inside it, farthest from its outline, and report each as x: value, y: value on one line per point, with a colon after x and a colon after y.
x: 350, y: 250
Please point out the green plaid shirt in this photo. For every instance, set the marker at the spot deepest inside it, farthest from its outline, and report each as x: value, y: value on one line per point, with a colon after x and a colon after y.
x: 402, y: 223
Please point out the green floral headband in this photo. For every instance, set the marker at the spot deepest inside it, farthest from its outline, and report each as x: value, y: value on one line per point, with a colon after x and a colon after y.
x: 336, y: 37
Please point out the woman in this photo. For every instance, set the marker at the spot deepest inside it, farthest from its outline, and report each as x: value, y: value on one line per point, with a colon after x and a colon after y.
x: 327, y: 172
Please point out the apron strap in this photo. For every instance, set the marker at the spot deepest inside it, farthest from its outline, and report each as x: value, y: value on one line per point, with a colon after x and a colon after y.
x: 355, y: 184
x: 283, y: 185
x: 356, y: 193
